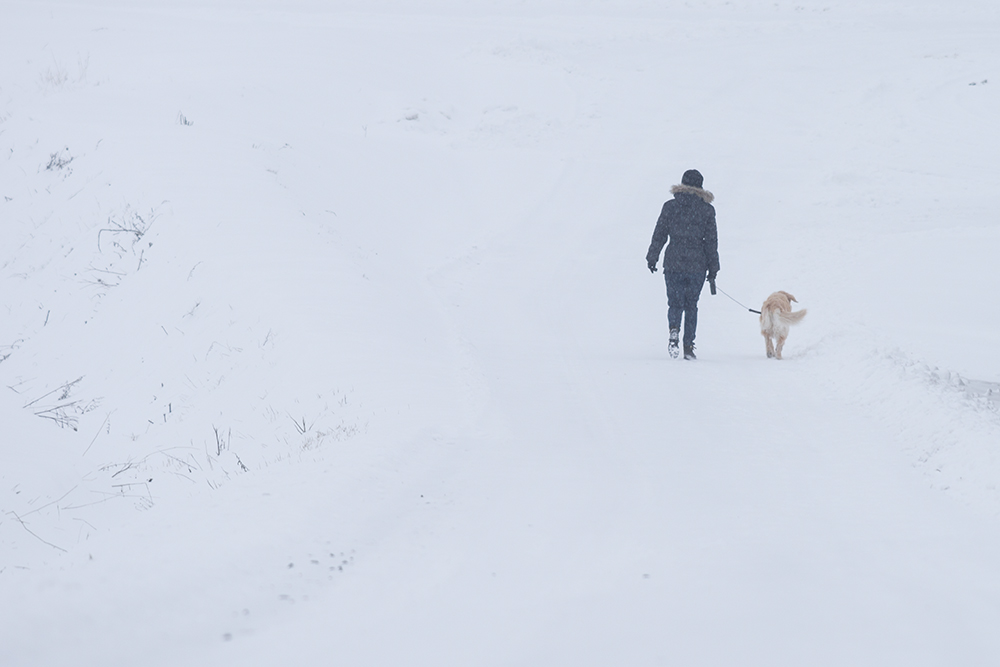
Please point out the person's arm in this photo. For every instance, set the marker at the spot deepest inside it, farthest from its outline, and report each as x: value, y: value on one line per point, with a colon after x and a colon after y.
x: 711, y: 244
x: 660, y: 236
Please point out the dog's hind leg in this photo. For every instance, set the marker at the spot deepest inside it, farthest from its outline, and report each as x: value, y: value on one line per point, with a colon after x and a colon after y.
x: 769, y: 346
x: 781, y: 344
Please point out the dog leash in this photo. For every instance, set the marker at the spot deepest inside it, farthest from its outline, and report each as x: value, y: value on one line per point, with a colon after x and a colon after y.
x: 737, y: 302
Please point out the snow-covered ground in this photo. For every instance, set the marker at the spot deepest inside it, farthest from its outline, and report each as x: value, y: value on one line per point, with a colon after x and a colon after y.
x: 326, y: 335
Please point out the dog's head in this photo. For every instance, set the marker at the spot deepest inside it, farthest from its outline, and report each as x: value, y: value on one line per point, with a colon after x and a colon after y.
x: 788, y: 296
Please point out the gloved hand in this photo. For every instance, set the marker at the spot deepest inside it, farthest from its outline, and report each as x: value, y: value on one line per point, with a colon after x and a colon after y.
x: 652, y: 267
x: 711, y: 281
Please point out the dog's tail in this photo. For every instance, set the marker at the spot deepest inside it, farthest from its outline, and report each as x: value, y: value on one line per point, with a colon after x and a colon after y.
x: 793, y: 317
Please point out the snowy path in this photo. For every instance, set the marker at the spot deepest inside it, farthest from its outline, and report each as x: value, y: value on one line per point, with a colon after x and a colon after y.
x: 617, y: 507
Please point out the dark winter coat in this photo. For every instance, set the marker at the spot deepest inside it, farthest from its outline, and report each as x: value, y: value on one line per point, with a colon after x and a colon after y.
x: 688, y: 222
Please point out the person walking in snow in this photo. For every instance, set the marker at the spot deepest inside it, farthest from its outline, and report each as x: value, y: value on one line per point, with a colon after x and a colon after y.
x: 688, y: 222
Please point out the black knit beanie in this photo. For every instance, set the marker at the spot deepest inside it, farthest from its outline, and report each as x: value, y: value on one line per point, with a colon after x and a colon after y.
x: 693, y: 178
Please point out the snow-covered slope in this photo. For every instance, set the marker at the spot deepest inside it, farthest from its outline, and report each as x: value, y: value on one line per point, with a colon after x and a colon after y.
x: 326, y: 334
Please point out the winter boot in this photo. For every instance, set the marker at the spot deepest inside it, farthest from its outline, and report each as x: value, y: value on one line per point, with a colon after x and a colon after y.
x: 689, y: 352
x: 673, y: 347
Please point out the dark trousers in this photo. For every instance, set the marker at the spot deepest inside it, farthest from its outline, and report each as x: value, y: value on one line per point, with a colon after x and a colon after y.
x: 683, y: 290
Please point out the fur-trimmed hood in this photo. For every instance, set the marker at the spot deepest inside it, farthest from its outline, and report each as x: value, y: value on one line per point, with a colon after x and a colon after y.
x: 705, y: 195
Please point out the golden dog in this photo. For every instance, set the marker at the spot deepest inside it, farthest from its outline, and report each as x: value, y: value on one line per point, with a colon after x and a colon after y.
x: 775, y: 317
